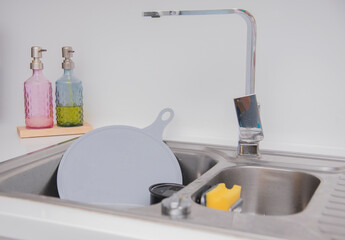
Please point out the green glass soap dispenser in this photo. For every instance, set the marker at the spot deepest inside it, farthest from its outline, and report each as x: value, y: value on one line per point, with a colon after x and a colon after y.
x: 69, y: 94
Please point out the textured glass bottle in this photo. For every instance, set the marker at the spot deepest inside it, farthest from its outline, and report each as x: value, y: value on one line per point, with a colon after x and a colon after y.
x: 38, y: 99
x: 69, y: 94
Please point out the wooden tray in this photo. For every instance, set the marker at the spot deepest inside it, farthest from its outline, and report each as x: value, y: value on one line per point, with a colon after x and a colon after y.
x: 24, y: 132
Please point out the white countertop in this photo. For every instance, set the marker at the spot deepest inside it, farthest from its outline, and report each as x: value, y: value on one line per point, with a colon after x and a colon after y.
x: 12, y: 146
x: 24, y: 219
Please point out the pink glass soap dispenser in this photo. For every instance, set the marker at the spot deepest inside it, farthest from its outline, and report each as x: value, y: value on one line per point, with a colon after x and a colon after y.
x: 38, y: 97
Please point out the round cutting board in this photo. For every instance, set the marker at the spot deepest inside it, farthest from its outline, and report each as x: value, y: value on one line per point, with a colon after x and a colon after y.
x: 117, y: 164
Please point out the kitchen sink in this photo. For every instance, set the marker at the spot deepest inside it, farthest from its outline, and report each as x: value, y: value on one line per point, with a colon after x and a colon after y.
x: 269, y: 191
x: 285, y: 195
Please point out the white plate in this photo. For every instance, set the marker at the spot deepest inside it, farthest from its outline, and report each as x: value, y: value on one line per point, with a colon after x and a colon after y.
x: 118, y: 164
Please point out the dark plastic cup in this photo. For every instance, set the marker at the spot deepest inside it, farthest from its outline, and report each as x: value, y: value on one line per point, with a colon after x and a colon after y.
x: 163, y: 190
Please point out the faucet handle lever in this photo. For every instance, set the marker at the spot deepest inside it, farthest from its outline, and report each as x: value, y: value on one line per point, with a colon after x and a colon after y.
x: 151, y: 14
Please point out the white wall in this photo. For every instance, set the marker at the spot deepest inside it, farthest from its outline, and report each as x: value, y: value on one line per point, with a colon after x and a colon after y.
x: 132, y: 67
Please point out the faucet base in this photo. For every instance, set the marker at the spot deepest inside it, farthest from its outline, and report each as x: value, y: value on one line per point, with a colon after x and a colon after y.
x: 248, y: 149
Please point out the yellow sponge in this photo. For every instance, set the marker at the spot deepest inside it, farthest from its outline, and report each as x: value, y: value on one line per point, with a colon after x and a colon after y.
x: 223, y: 198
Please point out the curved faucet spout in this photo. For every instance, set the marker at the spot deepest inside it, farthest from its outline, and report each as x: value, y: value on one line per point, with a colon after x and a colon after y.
x: 251, y: 36
x: 247, y: 108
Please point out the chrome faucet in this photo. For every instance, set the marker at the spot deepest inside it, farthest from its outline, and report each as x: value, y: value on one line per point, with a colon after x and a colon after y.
x: 247, y: 108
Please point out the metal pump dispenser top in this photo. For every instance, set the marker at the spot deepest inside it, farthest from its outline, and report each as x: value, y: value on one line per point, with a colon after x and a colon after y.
x: 67, y: 53
x: 36, y: 54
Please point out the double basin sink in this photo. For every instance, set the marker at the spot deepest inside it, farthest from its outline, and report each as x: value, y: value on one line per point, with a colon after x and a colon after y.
x: 285, y: 195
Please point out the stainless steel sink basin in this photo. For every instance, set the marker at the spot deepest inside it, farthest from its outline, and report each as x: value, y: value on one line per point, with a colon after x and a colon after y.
x: 286, y: 195
x: 270, y: 191
x: 194, y: 164
x: 38, y: 175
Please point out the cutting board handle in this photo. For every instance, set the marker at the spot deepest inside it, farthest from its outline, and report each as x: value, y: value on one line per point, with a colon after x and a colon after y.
x: 157, y: 127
